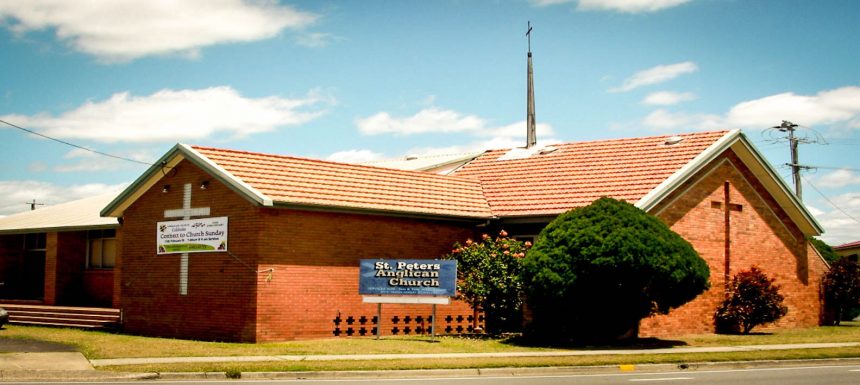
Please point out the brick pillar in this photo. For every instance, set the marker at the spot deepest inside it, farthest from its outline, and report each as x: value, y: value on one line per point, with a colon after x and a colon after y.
x: 117, y: 272
x: 51, y: 249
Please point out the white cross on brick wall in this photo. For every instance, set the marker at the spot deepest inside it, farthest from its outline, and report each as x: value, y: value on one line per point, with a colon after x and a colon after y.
x: 186, y: 212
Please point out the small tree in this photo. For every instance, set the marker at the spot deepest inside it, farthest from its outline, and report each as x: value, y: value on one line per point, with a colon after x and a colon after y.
x: 596, y: 271
x: 752, y: 299
x: 488, y: 278
x: 842, y: 287
x: 824, y: 249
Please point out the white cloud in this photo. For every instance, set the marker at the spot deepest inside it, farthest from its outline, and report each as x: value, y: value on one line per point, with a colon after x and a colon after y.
x: 175, y: 115
x: 655, y: 75
x: 122, y: 30
x: 15, y: 194
x: 839, y: 108
x: 663, y: 120
x: 826, y: 107
x: 628, y: 6
x: 838, y: 178
x: 480, y: 145
x: 516, y: 130
x: 428, y: 120
x: 355, y: 156
x: 838, y: 227
x: 435, y: 120
x: 667, y: 98
x: 88, y: 161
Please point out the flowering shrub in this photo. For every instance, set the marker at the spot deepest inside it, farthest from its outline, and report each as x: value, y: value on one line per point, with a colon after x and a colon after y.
x: 751, y: 300
x: 488, y: 278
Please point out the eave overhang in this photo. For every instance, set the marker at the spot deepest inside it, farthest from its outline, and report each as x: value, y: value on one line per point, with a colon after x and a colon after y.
x: 162, y: 167
x: 738, y: 143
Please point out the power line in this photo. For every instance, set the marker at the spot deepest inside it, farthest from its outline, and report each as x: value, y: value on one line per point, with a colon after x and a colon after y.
x: 828, y: 200
x: 835, y: 168
x: 75, y: 145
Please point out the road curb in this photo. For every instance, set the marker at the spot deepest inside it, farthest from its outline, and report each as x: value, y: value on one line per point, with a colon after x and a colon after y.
x: 71, y: 375
x: 514, y: 372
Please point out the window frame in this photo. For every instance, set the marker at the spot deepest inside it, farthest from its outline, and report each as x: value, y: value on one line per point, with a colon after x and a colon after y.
x: 100, y: 235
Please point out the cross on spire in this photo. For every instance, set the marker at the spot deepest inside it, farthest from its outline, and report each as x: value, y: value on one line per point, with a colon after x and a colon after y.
x: 531, y: 135
x: 529, y: 35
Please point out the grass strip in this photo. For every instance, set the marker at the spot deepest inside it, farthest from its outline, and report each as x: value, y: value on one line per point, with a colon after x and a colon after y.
x: 473, y: 363
x: 96, y: 344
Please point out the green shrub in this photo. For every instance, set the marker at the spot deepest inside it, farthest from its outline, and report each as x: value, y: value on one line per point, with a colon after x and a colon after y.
x: 824, y: 249
x: 751, y: 300
x: 596, y: 271
x: 488, y: 278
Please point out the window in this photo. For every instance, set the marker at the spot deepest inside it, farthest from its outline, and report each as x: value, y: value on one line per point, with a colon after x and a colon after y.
x: 101, y: 249
x: 35, y: 242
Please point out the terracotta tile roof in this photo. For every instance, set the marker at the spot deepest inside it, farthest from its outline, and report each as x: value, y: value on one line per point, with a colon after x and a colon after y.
x: 310, y: 182
x: 847, y: 245
x: 575, y: 174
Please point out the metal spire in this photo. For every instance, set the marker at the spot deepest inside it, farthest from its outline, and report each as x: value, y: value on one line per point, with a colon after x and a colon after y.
x: 531, y: 135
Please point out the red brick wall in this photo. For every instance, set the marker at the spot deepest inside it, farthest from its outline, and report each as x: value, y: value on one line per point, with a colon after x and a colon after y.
x: 315, y: 257
x: 51, y: 250
x: 71, y: 261
x: 761, y: 235
x: 116, y: 299
x: 98, y: 287
x: 221, y: 299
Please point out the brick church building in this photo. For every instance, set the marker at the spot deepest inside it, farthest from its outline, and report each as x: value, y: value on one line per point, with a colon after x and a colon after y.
x: 298, y: 228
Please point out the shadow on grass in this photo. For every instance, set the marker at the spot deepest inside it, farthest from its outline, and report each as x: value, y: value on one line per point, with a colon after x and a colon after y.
x: 630, y: 344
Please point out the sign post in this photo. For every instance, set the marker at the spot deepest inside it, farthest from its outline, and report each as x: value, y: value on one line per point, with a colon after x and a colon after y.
x: 417, y: 281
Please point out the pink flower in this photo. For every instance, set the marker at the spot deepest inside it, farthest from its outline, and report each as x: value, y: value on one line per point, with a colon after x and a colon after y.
x: 469, y: 242
x: 528, y: 244
x: 485, y: 237
x: 503, y: 233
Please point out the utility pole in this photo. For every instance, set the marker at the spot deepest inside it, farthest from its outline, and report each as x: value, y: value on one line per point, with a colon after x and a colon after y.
x: 793, y: 141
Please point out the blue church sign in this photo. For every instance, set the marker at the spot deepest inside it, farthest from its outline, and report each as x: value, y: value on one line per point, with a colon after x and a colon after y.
x: 408, y: 277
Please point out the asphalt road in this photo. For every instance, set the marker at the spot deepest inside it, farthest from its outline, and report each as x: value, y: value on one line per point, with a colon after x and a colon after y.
x: 830, y: 375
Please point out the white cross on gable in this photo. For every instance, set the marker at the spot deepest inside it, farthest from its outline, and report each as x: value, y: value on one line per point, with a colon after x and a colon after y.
x: 186, y: 212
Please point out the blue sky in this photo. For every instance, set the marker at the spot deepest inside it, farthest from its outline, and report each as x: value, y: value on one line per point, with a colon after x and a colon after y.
x: 365, y: 80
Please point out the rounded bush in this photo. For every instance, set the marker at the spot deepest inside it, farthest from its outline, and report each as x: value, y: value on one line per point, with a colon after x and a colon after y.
x: 594, y: 272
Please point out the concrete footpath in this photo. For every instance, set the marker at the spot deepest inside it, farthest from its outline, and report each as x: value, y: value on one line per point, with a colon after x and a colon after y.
x: 69, y: 366
x: 555, y: 353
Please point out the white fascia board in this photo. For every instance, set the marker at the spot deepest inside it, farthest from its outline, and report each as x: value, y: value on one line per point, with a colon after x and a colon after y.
x: 784, y: 189
x: 669, y: 185
x: 225, y: 176
x: 149, y: 177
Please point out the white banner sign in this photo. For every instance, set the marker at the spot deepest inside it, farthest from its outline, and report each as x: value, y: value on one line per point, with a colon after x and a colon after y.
x: 192, y: 236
